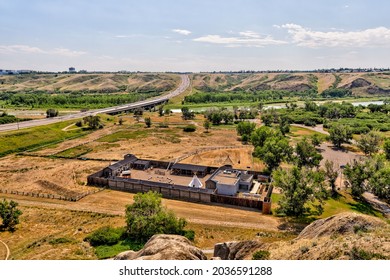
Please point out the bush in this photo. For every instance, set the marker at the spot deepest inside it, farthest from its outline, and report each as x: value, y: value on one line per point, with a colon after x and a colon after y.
x: 261, y: 255
x: 189, y: 128
x: 79, y: 123
x: 146, y: 217
x: 105, y: 236
x: 190, y: 235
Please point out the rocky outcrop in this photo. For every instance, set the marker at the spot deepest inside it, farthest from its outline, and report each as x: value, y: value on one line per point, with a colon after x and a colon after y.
x: 343, y: 224
x: 165, y: 247
x: 240, y: 250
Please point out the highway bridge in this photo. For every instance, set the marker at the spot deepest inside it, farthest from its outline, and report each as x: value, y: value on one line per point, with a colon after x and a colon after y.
x: 149, y: 103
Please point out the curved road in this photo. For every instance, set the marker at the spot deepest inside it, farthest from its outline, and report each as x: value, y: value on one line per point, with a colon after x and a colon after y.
x: 7, y: 249
x: 185, y: 83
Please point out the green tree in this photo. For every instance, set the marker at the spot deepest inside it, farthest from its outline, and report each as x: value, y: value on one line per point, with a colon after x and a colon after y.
x: 51, y: 113
x: 369, y: 143
x: 93, y: 122
x: 357, y: 174
x: 9, y: 213
x: 331, y: 173
x: 245, y: 128
x: 386, y: 148
x: 379, y: 183
x: 339, y: 134
x: 300, y: 189
x: 148, y: 121
x: 261, y: 134
x: 146, y: 217
x: 161, y: 110
x: 120, y: 121
x: 207, y: 125
x: 306, y: 154
x: 316, y: 140
x: 187, y: 114
x: 266, y: 118
x: 273, y: 152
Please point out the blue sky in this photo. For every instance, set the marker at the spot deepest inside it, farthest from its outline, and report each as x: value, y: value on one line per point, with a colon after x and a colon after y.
x: 193, y: 35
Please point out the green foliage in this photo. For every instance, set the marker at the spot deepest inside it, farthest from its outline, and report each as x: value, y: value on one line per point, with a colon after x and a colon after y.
x: 72, y: 100
x: 307, y: 154
x: 273, y: 152
x: 51, y: 113
x: 79, y: 123
x: 161, y: 110
x: 61, y: 240
x: 120, y: 121
x: 187, y: 114
x: 336, y: 92
x: 207, y: 125
x: 261, y: 255
x: 239, y: 96
x: 339, y: 134
x: 301, y: 188
x: 105, y: 236
x: 369, y: 143
x: 26, y: 139
x: 148, y: 121
x: 146, y: 217
x: 189, y: 128
x: 189, y: 234
x: 5, y: 118
x: 93, y: 122
x: 359, y: 254
x: 316, y: 140
x: 386, y: 148
x: 359, y: 172
x: 109, y: 251
x: 245, y: 128
x: 9, y: 213
x: 261, y: 134
x: 331, y: 174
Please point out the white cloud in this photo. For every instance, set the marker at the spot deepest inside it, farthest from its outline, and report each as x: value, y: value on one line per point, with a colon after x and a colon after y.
x: 182, y: 31
x: 245, y: 39
x: 379, y: 36
x: 66, y: 52
x: 20, y: 49
x: 15, y: 49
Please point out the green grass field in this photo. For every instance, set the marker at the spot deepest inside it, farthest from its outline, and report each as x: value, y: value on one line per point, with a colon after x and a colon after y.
x: 32, y: 138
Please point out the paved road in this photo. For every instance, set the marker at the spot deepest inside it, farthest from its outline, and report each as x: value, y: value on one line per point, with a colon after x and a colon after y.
x: 185, y: 83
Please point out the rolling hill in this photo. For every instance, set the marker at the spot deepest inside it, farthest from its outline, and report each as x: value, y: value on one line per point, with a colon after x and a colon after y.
x: 94, y: 83
x: 361, y: 84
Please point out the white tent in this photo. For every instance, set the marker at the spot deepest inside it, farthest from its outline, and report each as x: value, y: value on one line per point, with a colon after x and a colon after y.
x: 195, y: 182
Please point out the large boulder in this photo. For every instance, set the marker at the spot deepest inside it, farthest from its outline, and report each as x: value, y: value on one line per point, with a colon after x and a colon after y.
x: 165, y: 247
x: 236, y: 250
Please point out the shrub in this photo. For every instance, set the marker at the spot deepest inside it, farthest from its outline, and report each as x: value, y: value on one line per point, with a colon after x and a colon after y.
x: 146, y: 217
x: 261, y: 255
x: 189, y: 128
x: 190, y: 235
x: 79, y: 123
x: 105, y: 236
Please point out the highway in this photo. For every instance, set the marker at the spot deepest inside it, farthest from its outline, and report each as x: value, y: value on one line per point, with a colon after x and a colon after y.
x: 185, y: 83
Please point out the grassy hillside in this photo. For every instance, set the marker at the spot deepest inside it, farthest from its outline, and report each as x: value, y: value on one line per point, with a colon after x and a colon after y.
x: 359, y: 83
x: 93, y: 83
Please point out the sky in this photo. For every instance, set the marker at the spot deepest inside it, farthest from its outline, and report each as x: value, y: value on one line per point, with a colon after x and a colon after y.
x: 193, y: 35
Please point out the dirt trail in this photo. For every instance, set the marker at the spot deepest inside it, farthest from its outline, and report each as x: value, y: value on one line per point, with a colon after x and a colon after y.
x: 114, y: 202
x: 4, y: 250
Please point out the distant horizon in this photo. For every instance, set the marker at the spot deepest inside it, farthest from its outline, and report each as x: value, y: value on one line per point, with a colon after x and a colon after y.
x: 194, y: 35
x: 81, y: 71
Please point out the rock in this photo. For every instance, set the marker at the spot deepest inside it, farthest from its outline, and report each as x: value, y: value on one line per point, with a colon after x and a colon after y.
x: 165, y: 247
x: 343, y: 224
x: 236, y: 250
